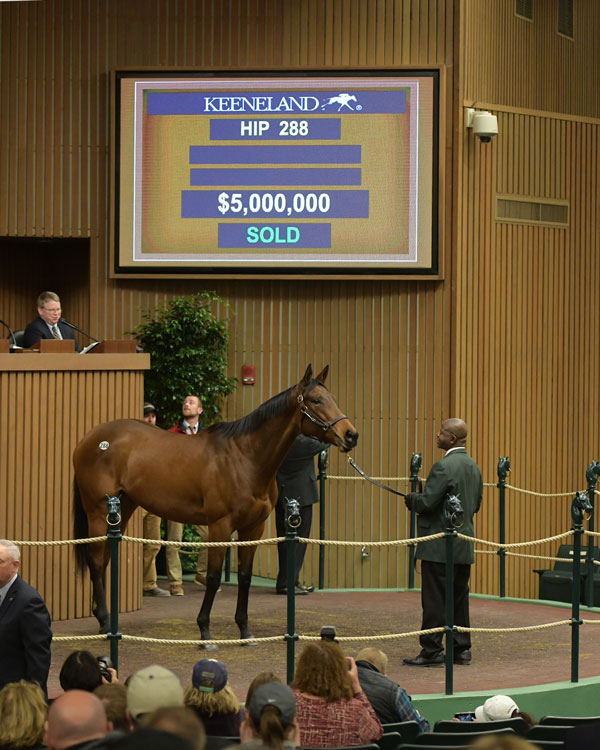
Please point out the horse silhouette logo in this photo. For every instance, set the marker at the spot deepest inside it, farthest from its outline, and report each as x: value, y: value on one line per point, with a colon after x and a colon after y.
x: 343, y: 100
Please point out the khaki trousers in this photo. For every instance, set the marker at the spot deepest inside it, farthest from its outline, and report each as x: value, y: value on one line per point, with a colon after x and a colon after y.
x: 150, y: 530
x: 174, y: 534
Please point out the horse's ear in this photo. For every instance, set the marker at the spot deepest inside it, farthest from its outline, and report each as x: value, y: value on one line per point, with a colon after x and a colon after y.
x: 322, y: 376
x: 307, y: 376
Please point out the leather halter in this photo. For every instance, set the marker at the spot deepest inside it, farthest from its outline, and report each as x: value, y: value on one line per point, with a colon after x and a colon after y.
x: 325, y: 426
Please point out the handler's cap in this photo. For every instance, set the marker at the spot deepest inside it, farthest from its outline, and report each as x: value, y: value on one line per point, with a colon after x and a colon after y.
x: 151, y: 688
x: 148, y: 407
x: 273, y: 694
x: 496, y: 708
x: 209, y: 675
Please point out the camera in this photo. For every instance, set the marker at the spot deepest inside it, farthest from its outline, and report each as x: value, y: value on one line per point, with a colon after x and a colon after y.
x: 105, y: 664
x: 484, y: 124
x: 465, y: 716
x: 328, y: 633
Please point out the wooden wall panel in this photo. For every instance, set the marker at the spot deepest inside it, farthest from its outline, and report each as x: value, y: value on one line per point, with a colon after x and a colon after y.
x: 527, y: 378
x: 528, y: 65
x: 43, y: 414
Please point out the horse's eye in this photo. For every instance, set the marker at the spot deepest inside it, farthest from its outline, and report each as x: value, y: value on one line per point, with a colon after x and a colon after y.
x: 315, y: 401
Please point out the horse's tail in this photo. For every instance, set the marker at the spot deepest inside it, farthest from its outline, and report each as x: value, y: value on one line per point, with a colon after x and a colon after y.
x: 80, y: 526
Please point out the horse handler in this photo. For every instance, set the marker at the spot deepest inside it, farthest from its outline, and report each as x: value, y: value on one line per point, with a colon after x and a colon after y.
x: 458, y: 474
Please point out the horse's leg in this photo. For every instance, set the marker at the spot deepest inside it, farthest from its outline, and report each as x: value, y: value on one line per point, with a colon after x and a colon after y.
x: 245, y: 561
x: 98, y: 556
x: 216, y: 555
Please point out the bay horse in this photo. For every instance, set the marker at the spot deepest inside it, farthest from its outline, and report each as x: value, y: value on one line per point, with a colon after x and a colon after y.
x: 223, y: 477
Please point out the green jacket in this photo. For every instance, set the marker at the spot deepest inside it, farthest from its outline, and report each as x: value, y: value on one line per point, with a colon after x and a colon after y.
x: 457, y: 474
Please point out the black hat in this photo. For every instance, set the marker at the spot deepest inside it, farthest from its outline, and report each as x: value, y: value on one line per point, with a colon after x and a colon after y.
x: 273, y: 694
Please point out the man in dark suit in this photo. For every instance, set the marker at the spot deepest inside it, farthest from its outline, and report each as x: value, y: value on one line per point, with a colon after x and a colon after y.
x: 296, y: 480
x: 456, y: 473
x: 25, y: 633
x: 49, y: 324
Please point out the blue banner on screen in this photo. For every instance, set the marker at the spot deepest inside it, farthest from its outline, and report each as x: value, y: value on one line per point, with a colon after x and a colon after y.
x: 282, y: 103
x: 199, y: 177
x: 276, y: 236
x: 270, y: 128
x: 264, y: 204
x: 275, y: 154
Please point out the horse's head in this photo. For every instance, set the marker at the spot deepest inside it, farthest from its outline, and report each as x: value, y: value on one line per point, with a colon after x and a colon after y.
x: 320, y: 416
x: 581, y: 508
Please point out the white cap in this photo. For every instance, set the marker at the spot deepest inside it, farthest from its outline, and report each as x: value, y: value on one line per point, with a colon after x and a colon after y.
x: 151, y: 688
x: 496, y: 708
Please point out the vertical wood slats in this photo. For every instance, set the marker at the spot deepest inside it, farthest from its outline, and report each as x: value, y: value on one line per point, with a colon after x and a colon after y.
x: 43, y: 415
x: 402, y: 353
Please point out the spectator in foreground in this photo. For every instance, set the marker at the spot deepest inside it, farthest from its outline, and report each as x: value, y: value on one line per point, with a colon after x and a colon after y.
x: 331, y: 707
x: 500, y: 707
x: 23, y: 715
x: 390, y: 701
x: 77, y: 719
x: 212, y: 699
x: 180, y: 721
x: 271, y: 720
x: 262, y: 678
x: 80, y: 671
x: 151, y: 688
x: 114, y: 698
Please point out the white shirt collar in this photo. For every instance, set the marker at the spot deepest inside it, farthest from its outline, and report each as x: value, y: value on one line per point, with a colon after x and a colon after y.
x: 458, y: 448
x: 4, y: 589
x: 191, y: 430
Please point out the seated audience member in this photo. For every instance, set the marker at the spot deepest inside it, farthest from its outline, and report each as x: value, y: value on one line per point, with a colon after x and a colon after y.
x: 22, y: 716
x: 81, y: 671
x: 114, y: 698
x: 390, y: 701
x: 271, y: 720
x: 211, y: 697
x: 180, y: 721
x: 331, y: 707
x: 501, y: 707
x: 262, y: 678
x: 77, y: 719
x: 151, y: 688
x: 502, y: 742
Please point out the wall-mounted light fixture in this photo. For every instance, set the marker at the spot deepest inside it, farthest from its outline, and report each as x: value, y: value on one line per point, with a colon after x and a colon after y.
x: 484, y: 124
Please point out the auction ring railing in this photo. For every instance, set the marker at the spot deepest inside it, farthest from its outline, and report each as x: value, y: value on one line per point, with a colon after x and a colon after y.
x: 114, y: 537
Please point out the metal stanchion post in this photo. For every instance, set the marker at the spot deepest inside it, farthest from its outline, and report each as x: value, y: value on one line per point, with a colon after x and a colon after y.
x: 322, y: 463
x: 581, y: 508
x: 292, y: 518
x: 592, y: 473
x: 503, y: 469
x: 415, y: 467
x: 114, y: 534
x: 453, y: 514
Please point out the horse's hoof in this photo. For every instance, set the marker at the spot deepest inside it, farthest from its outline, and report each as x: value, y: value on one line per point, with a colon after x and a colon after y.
x: 208, y: 646
x: 249, y: 643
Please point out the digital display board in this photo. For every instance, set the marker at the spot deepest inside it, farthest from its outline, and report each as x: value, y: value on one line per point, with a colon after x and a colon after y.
x: 276, y: 174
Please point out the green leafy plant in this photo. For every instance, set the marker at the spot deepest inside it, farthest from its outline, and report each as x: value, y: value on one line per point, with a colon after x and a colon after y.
x: 187, y: 344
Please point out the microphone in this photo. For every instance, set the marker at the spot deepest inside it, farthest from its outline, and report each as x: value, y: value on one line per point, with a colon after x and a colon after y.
x: 80, y: 330
x: 12, y: 336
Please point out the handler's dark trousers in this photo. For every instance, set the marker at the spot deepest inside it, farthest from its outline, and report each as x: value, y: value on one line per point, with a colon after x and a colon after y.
x: 433, y: 600
x: 306, y: 512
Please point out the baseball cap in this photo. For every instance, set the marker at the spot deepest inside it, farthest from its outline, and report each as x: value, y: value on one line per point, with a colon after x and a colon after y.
x: 273, y: 694
x: 209, y: 671
x: 151, y: 688
x: 496, y: 708
x: 148, y: 407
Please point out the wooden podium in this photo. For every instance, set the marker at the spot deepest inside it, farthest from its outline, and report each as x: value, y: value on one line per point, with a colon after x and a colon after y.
x: 48, y: 401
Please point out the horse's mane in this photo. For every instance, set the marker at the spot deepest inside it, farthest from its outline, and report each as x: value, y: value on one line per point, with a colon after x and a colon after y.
x: 253, y: 421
